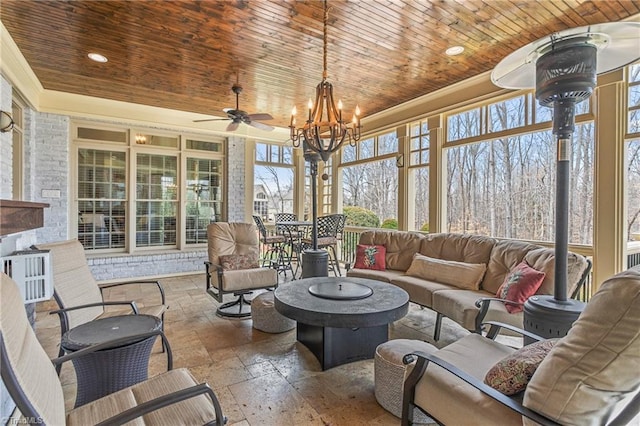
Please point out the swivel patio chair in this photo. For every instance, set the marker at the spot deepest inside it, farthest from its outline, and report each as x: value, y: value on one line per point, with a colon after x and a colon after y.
x: 233, y: 267
x: 81, y: 298
x: 30, y: 378
x: 588, y: 377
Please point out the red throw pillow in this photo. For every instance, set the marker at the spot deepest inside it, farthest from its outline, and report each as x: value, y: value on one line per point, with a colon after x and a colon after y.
x: 370, y: 257
x: 521, y: 283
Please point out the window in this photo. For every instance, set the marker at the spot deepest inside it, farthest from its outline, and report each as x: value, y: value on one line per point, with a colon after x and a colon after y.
x: 273, y: 180
x: 370, y: 180
x: 418, y: 188
x: 129, y: 189
x: 204, y: 197
x: 633, y: 121
x: 505, y: 187
x: 156, y: 200
x: 102, y: 196
x: 633, y: 190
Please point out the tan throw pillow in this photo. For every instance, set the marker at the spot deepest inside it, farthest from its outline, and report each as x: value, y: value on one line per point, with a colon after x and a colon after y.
x: 511, y: 374
x: 458, y: 274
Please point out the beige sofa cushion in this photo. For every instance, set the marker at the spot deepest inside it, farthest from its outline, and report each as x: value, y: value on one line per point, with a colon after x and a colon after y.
x: 387, y: 275
x: 453, y: 401
x: 459, y: 274
x: 400, y: 246
x: 597, y: 363
x: 543, y: 259
x: 420, y: 290
x: 458, y: 247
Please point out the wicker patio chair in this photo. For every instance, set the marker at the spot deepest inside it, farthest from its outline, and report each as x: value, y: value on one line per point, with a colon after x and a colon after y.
x: 28, y: 374
x: 80, y: 297
x: 275, y: 248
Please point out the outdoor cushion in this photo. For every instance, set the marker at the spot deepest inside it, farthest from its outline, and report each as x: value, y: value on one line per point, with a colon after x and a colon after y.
x: 387, y: 275
x: 420, y: 290
x: 511, y: 374
x: 370, y: 257
x: 597, y: 363
x: 458, y: 274
x: 446, y: 396
x: 397, y: 244
x: 522, y: 282
x: 459, y: 305
x: 244, y: 279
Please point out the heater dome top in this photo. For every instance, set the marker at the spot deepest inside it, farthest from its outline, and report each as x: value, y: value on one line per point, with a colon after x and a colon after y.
x: 618, y: 44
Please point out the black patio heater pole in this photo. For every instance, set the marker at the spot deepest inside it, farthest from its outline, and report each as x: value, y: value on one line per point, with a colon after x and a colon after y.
x: 565, y: 75
x: 315, y: 262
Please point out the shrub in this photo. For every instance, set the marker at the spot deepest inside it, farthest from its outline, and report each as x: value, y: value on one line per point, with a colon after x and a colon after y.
x: 390, y: 224
x: 358, y: 216
x: 425, y: 227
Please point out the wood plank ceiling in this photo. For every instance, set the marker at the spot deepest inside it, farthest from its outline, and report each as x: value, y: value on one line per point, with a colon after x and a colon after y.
x: 185, y: 55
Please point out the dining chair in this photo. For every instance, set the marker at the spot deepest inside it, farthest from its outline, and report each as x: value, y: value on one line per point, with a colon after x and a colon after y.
x: 327, y: 239
x: 275, y: 252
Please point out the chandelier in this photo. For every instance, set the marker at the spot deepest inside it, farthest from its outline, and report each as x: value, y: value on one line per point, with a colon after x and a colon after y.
x: 325, y: 131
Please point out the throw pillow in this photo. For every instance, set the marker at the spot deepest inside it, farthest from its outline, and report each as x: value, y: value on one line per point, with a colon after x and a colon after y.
x: 370, y: 257
x: 511, y: 374
x: 458, y: 274
x: 521, y: 283
x: 232, y: 262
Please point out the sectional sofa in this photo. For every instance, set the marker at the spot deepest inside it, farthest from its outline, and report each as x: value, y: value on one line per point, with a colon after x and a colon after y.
x: 459, y: 275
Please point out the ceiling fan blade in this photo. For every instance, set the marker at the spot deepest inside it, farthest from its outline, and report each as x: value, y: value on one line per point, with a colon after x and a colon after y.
x: 261, y: 126
x: 260, y: 116
x: 233, y: 126
x: 210, y: 119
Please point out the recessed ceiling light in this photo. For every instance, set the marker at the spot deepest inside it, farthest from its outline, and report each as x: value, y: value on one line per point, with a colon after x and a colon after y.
x: 454, y: 50
x: 97, y: 57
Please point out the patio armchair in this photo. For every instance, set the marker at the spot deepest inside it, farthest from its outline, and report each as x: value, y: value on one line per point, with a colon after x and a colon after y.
x: 81, y: 298
x: 31, y: 380
x: 233, y: 267
x: 588, y: 377
x: 275, y: 253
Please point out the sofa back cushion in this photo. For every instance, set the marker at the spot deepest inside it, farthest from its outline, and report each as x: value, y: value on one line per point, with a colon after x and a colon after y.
x: 505, y: 256
x: 596, y: 365
x: 543, y: 259
x: 400, y: 246
x: 457, y: 247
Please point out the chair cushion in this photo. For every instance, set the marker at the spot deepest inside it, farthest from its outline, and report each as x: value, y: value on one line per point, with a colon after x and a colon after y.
x: 399, y: 245
x: 597, y: 363
x: 511, y: 374
x: 231, y: 238
x: 198, y: 410
x: 246, y: 279
x: 451, y: 400
x: 459, y: 274
x: 370, y: 257
x: 232, y: 262
x: 522, y: 282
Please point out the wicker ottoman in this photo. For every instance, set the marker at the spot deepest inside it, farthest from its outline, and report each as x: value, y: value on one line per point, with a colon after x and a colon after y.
x: 266, y: 318
x: 389, y: 374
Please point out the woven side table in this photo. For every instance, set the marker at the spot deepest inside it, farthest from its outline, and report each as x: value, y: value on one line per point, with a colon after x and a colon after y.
x: 266, y: 318
x: 389, y: 372
x: 106, y: 371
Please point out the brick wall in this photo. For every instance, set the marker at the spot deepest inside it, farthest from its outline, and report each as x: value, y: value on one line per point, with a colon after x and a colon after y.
x: 236, y: 184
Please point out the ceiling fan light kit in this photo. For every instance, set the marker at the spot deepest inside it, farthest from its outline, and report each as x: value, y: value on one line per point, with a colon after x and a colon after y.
x: 563, y: 68
x: 325, y: 130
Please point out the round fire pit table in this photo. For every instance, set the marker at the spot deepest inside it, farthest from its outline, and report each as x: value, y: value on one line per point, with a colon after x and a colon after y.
x: 341, y: 330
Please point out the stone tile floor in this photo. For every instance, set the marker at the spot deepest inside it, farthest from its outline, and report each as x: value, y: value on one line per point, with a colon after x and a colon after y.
x: 260, y: 378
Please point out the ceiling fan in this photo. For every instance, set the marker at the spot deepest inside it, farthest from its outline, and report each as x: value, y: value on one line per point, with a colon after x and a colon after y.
x: 238, y: 116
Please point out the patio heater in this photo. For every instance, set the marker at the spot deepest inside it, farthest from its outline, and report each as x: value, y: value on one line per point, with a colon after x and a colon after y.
x: 563, y: 67
x: 315, y: 262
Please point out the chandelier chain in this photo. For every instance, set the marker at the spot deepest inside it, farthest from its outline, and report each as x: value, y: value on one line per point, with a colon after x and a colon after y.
x: 324, y: 41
